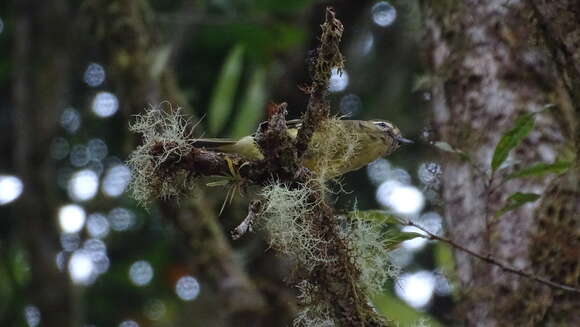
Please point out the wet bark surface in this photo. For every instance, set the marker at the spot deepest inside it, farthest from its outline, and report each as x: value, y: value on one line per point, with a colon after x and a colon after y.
x: 490, y: 63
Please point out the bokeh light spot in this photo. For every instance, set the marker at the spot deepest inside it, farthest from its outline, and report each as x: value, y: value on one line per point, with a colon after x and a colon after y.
x: 102, y: 264
x: 79, y: 156
x: 338, y: 80
x: 367, y: 43
x: 187, y: 288
x: 155, y: 309
x: 401, y: 256
x: 384, y: 14
x: 430, y: 173
x: 81, y: 268
x: 95, y: 248
x: 416, y: 288
x: 350, y: 104
x: 60, y: 260
x: 97, y: 251
x: 96, y: 166
x: 32, y: 316
x: 71, y: 218
x: 403, y: 199
x: 432, y: 222
x: 105, y: 104
x: 121, y: 219
x: 83, y: 185
x: 98, y: 225
x: 141, y: 273
x: 442, y: 285
x: 59, y: 148
x: 98, y: 149
x: 70, y: 120
x: 70, y: 241
x: 10, y: 188
x: 129, y: 323
x: 116, y: 180
x: 400, y: 175
x: 378, y: 171
x: 94, y: 75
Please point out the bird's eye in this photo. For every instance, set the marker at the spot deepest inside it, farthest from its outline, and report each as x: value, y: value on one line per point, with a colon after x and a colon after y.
x: 382, y: 124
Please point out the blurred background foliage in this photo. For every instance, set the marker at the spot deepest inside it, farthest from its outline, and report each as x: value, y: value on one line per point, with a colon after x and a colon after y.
x: 128, y: 266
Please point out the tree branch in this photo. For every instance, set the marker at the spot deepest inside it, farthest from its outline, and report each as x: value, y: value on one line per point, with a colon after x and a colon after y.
x: 333, y: 275
x: 328, y: 56
x: 491, y: 260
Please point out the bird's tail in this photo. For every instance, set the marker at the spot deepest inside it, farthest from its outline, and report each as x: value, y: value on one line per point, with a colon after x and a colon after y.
x: 213, y: 143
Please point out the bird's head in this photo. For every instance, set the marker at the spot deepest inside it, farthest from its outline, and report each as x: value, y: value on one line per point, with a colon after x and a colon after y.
x: 391, y: 130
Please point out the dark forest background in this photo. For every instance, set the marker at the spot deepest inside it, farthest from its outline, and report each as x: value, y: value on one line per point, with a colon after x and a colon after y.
x: 77, y: 250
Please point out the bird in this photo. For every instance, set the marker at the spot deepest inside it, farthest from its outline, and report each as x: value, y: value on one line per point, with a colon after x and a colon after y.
x: 337, y: 147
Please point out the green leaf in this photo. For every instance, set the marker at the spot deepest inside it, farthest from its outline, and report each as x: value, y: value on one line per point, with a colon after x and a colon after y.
x: 252, y: 107
x: 375, y: 216
x: 558, y: 167
x: 517, y: 200
x: 394, y: 237
x: 443, y: 254
x: 444, y: 146
x: 225, y: 90
x: 512, y: 138
x: 391, y: 306
x: 444, y: 257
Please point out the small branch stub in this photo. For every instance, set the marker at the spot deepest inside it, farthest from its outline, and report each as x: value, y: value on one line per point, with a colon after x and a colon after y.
x: 247, y: 224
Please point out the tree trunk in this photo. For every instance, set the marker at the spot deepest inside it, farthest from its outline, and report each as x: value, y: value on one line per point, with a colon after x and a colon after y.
x: 490, y: 62
x: 40, y: 85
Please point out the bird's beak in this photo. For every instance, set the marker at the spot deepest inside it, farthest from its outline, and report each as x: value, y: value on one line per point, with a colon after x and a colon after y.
x: 401, y: 139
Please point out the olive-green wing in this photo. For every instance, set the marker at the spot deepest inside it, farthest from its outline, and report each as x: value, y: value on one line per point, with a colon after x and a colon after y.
x: 212, y: 143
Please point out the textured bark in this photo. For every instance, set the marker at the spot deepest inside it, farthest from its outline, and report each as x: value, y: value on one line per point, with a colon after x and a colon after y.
x: 556, y: 239
x: 492, y: 61
x: 560, y: 22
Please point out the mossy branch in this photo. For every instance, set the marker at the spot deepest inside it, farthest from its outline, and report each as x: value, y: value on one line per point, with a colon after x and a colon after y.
x: 294, y: 211
x: 327, y: 57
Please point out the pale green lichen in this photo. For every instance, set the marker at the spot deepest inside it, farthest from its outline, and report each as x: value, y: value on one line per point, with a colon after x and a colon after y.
x: 284, y: 218
x: 165, y: 134
x: 333, y: 145
x: 287, y: 220
x: 367, y: 240
x: 314, y: 313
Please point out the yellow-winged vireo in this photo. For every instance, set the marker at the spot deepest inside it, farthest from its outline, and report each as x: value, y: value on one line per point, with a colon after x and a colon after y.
x: 337, y: 147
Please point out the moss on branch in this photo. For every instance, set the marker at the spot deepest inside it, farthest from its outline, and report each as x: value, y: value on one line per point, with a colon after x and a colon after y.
x: 337, y: 270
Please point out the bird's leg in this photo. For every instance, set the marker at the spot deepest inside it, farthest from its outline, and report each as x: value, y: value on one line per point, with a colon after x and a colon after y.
x: 235, y: 182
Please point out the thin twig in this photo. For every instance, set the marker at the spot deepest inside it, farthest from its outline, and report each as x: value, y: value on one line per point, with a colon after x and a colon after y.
x: 491, y: 260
